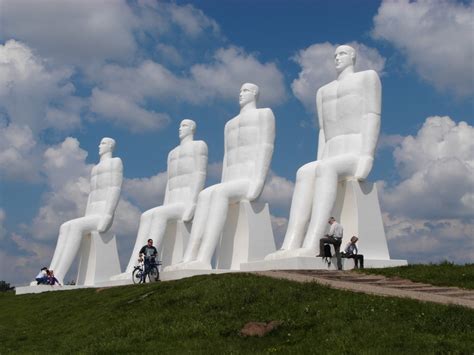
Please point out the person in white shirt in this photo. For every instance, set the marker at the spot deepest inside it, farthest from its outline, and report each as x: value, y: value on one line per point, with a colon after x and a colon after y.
x: 334, y: 237
x: 42, y: 277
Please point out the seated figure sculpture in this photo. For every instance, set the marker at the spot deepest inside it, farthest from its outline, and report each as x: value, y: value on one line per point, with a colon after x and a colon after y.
x: 249, y: 139
x: 349, y: 120
x: 105, y: 187
x: 187, y: 166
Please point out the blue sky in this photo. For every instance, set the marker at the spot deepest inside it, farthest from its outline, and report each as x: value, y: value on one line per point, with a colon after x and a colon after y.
x: 73, y: 72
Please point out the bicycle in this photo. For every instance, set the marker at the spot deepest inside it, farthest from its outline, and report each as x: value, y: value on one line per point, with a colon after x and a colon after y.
x: 139, y: 276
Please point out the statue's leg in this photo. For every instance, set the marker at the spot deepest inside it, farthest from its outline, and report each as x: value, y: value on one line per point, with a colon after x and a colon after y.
x: 160, y: 219
x: 327, y: 175
x: 62, y: 238
x: 300, y: 210
x: 142, y: 236
x: 222, y: 196
x: 71, y: 242
x: 199, y: 224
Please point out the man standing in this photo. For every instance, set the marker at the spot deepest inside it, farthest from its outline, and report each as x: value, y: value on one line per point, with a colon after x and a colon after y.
x: 187, y: 166
x: 106, y: 183
x: 334, y: 237
x: 249, y: 139
x: 349, y: 120
x: 148, y: 253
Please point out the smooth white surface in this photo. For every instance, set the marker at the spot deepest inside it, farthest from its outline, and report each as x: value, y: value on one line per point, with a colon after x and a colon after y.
x: 99, y: 258
x: 105, y: 187
x: 249, y: 139
x: 247, y: 235
x: 187, y: 167
x: 349, y: 119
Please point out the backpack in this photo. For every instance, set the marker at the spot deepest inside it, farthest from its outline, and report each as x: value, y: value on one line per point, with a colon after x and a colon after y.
x: 327, y: 254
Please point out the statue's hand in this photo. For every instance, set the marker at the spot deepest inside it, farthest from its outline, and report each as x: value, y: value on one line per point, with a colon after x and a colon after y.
x: 105, y: 223
x: 363, y: 167
x: 189, y: 212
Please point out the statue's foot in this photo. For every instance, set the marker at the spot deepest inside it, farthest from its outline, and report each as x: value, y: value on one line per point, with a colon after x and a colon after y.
x: 279, y: 254
x: 304, y: 252
x: 190, y: 265
x: 122, y: 276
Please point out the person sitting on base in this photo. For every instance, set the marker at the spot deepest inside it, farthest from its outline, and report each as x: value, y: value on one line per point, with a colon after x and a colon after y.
x: 351, y: 252
x: 52, y: 280
x: 334, y: 237
x: 149, y: 253
x: 42, y: 277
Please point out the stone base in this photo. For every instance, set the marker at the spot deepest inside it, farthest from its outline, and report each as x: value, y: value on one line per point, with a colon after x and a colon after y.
x: 313, y: 263
x: 247, y: 235
x: 174, y: 243
x: 98, y: 258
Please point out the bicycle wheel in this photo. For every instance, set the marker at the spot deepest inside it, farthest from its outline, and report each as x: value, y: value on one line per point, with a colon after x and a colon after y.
x: 137, y: 276
x: 154, y: 274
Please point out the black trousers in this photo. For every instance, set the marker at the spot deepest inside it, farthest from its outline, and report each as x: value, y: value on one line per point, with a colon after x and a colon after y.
x: 358, y: 260
x: 337, y: 246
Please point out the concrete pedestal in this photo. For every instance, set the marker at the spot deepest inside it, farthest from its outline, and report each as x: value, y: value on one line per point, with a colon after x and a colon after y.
x: 174, y: 243
x: 98, y: 258
x: 357, y: 209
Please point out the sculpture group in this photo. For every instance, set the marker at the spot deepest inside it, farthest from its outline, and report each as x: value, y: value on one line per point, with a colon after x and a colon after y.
x: 348, y: 110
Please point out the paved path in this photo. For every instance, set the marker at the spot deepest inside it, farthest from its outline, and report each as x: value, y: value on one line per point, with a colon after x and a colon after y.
x: 379, y: 285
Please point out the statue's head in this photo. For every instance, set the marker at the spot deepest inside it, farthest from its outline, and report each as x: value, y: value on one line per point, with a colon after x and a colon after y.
x: 107, y: 145
x: 187, y: 127
x: 344, y: 56
x: 248, y: 92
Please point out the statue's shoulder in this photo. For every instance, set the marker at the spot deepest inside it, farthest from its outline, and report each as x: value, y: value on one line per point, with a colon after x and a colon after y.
x: 116, y: 162
x: 325, y: 87
x: 201, y: 145
x: 266, y: 113
x: 368, y: 74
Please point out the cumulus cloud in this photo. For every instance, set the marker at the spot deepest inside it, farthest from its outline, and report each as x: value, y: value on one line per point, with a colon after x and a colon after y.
x: 436, y: 167
x: 279, y: 226
x: 3, y: 217
x: 430, y: 211
x: 277, y: 191
x: 317, y: 68
x: 146, y: 192
x: 231, y: 68
x: 436, y: 38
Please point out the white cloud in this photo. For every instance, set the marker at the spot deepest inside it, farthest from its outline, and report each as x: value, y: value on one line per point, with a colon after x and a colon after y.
x: 429, y: 213
x: 35, y: 94
x: 435, y: 36
x: 277, y: 191
x: 73, y: 32
x: 279, y: 226
x: 192, y: 21
x: 3, y: 217
x: 436, y: 167
x: 231, y: 68
x: 146, y: 192
x: 317, y: 68
x: 126, y: 113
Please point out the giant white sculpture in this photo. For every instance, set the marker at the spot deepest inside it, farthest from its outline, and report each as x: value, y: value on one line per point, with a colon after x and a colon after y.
x: 349, y: 119
x: 249, y: 139
x: 187, y: 166
x: 105, y: 186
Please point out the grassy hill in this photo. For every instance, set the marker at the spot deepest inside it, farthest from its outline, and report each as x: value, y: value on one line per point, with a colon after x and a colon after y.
x: 205, y: 314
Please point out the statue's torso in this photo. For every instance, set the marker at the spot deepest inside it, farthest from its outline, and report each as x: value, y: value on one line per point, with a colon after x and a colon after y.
x: 103, y: 176
x: 182, y: 164
x: 343, y: 110
x: 242, y: 145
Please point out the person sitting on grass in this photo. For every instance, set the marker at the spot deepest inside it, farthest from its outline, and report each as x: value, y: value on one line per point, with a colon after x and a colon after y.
x: 351, y: 252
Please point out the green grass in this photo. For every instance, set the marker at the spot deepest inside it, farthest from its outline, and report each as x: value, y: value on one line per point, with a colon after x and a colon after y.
x: 444, y: 274
x: 205, y: 314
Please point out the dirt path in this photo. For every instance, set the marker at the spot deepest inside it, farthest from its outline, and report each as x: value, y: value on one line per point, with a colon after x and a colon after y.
x: 379, y: 285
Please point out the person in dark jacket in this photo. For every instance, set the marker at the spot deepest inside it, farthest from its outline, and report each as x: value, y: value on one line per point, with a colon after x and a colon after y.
x: 351, y: 252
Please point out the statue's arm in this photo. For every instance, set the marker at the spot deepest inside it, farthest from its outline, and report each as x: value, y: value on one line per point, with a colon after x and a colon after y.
x: 322, y: 137
x: 113, y: 194
x: 198, y: 178
x: 265, y: 152
x: 370, y: 128
x: 167, y: 191
x: 224, y: 160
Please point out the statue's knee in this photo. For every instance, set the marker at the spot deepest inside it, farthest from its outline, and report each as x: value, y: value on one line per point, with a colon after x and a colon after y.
x: 304, y: 172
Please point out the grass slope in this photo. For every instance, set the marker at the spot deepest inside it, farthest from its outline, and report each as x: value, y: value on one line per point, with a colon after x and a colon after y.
x: 444, y: 274
x: 204, y: 315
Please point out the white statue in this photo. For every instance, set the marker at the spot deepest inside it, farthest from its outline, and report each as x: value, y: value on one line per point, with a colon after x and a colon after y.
x: 249, y: 139
x: 106, y: 183
x: 349, y: 120
x: 187, y: 166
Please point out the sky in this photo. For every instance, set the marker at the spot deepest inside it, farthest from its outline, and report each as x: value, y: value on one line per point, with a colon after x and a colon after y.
x: 72, y: 72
